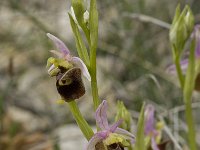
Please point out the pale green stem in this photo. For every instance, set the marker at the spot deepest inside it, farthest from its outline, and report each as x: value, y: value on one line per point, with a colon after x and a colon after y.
x: 179, y: 72
x: 82, y: 123
x: 188, y: 90
x: 191, y: 125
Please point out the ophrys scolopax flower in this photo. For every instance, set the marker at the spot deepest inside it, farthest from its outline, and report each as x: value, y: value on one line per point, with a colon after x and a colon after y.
x: 68, y: 71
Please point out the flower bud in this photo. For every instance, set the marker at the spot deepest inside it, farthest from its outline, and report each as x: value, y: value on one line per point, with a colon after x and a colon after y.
x: 123, y: 114
x: 181, y: 29
x: 189, y: 21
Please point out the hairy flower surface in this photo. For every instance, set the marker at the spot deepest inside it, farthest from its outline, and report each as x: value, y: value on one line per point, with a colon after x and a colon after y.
x: 109, y: 137
x: 68, y: 71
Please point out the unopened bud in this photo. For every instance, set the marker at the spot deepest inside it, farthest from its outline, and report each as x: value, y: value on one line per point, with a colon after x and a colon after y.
x: 123, y: 114
x: 181, y: 29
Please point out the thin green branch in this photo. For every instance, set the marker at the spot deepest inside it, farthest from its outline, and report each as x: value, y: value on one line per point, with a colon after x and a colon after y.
x: 187, y: 94
x: 191, y: 126
x: 179, y: 72
x: 82, y: 123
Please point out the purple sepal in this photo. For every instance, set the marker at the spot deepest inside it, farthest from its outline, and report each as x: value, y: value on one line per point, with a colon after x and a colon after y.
x: 59, y: 44
x: 101, y: 116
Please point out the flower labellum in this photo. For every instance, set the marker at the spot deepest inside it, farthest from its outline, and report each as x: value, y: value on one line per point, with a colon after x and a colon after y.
x: 70, y: 85
x: 68, y: 71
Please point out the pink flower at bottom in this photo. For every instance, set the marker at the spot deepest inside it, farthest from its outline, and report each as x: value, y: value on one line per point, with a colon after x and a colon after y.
x: 109, y: 136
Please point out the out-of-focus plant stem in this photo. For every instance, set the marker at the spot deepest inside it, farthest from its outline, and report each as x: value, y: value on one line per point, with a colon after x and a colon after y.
x: 179, y: 72
x: 1, y: 113
x: 82, y: 123
x: 187, y: 94
x: 191, y: 125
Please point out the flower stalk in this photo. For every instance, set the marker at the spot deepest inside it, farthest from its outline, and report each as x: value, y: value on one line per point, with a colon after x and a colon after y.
x: 82, y: 123
x: 179, y: 72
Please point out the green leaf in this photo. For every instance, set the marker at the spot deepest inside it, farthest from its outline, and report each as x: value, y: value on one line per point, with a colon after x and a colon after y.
x: 140, y: 142
x: 81, y: 48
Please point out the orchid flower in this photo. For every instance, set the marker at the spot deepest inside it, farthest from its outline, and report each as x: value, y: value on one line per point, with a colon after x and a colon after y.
x: 152, y: 134
x: 68, y: 70
x: 109, y: 137
x: 64, y: 53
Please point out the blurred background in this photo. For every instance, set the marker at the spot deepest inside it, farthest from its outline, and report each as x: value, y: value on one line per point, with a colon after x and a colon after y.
x: 132, y: 57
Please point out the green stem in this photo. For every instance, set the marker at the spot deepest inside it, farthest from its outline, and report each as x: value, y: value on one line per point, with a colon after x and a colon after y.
x: 191, y: 125
x: 179, y: 72
x: 83, y: 125
x: 187, y: 94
